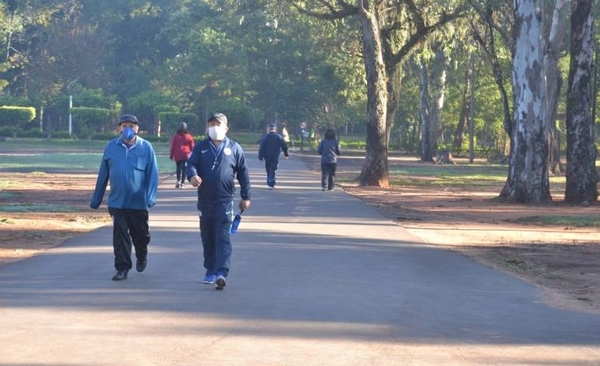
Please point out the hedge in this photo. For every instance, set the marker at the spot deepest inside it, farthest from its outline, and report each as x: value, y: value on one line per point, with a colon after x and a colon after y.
x: 15, y: 117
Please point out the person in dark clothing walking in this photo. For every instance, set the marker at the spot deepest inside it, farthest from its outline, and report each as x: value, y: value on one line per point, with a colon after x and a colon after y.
x: 271, y: 146
x: 329, y: 149
x: 182, y: 144
x: 212, y: 167
x: 129, y: 163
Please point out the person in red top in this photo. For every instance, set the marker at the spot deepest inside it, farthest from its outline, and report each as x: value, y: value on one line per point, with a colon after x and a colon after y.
x: 181, y: 148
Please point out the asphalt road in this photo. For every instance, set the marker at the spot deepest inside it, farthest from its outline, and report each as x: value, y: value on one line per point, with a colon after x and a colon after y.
x: 317, y: 278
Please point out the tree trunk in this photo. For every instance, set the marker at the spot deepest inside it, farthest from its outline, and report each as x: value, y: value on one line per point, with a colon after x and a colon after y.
x: 426, y: 154
x: 581, y: 154
x: 375, y: 169
x: 394, y: 86
x: 527, y: 180
x: 554, y: 82
x: 437, y: 88
x: 459, y: 133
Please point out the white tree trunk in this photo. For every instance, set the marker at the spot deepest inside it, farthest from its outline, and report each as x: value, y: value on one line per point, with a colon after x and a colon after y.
x: 528, y: 173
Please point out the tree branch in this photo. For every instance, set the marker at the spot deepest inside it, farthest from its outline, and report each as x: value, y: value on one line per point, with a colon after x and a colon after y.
x: 343, y: 9
x: 423, y: 31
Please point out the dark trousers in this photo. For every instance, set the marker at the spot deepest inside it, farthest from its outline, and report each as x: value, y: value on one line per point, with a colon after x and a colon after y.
x: 271, y: 167
x: 130, y: 227
x: 180, y: 170
x: 327, y: 175
x: 215, y: 223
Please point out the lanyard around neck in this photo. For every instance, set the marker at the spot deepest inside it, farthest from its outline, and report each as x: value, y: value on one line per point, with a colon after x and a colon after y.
x: 217, y: 150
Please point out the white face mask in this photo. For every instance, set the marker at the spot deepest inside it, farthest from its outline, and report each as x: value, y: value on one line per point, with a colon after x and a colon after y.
x: 217, y: 132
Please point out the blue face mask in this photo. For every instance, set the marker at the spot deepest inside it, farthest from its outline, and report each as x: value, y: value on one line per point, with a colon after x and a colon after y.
x: 128, y: 134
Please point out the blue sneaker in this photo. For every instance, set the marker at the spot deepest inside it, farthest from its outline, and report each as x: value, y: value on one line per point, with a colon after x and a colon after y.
x: 209, y: 279
x: 220, y: 282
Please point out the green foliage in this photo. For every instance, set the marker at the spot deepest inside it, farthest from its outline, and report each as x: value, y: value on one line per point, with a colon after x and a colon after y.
x: 353, y: 142
x: 165, y: 108
x: 145, y: 106
x: 16, y: 117
x: 170, y: 122
x: 255, y: 61
x: 245, y: 138
x: 240, y: 116
x: 88, y: 120
x: 87, y: 97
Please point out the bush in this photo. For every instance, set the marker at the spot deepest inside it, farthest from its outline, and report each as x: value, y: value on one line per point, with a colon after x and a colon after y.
x: 16, y: 117
x: 240, y: 116
x: 169, y: 122
x: 89, y: 120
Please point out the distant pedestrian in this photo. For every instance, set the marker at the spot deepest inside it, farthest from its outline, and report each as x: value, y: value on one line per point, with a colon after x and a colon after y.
x: 182, y: 144
x: 129, y: 163
x: 271, y: 147
x: 286, y: 135
x: 212, y: 167
x: 329, y: 149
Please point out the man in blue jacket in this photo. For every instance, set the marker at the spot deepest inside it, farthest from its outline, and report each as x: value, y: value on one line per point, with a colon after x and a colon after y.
x: 129, y: 163
x: 212, y: 167
x: 271, y: 146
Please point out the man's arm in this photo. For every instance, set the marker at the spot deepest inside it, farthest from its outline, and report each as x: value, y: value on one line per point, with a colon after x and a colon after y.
x: 243, y: 177
x: 152, y: 176
x: 101, y: 183
x: 193, y: 163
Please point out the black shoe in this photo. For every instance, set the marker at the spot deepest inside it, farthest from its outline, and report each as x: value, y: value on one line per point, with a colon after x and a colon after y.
x: 220, y: 283
x: 120, y: 276
x: 141, y: 264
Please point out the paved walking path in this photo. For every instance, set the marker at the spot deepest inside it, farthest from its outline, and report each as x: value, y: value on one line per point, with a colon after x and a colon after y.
x: 317, y: 278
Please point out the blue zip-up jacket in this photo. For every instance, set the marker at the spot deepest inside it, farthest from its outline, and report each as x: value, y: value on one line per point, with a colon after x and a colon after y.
x: 218, y: 167
x: 329, y: 151
x: 271, y: 146
x: 133, y: 175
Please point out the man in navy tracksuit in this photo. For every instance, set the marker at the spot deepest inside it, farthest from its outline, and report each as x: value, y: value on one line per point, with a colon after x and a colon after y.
x: 214, y: 164
x: 271, y: 146
x: 129, y: 163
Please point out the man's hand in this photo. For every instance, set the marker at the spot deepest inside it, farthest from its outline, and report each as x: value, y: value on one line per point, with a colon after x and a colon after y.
x: 196, y: 181
x: 244, y: 204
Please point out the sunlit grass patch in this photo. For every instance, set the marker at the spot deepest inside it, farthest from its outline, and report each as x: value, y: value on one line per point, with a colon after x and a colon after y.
x: 58, y: 160
x: 43, y: 162
x: 8, y: 195
x: 448, y: 175
x: 18, y: 207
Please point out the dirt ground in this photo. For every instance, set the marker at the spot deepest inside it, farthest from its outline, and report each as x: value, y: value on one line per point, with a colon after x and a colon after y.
x: 563, y: 261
